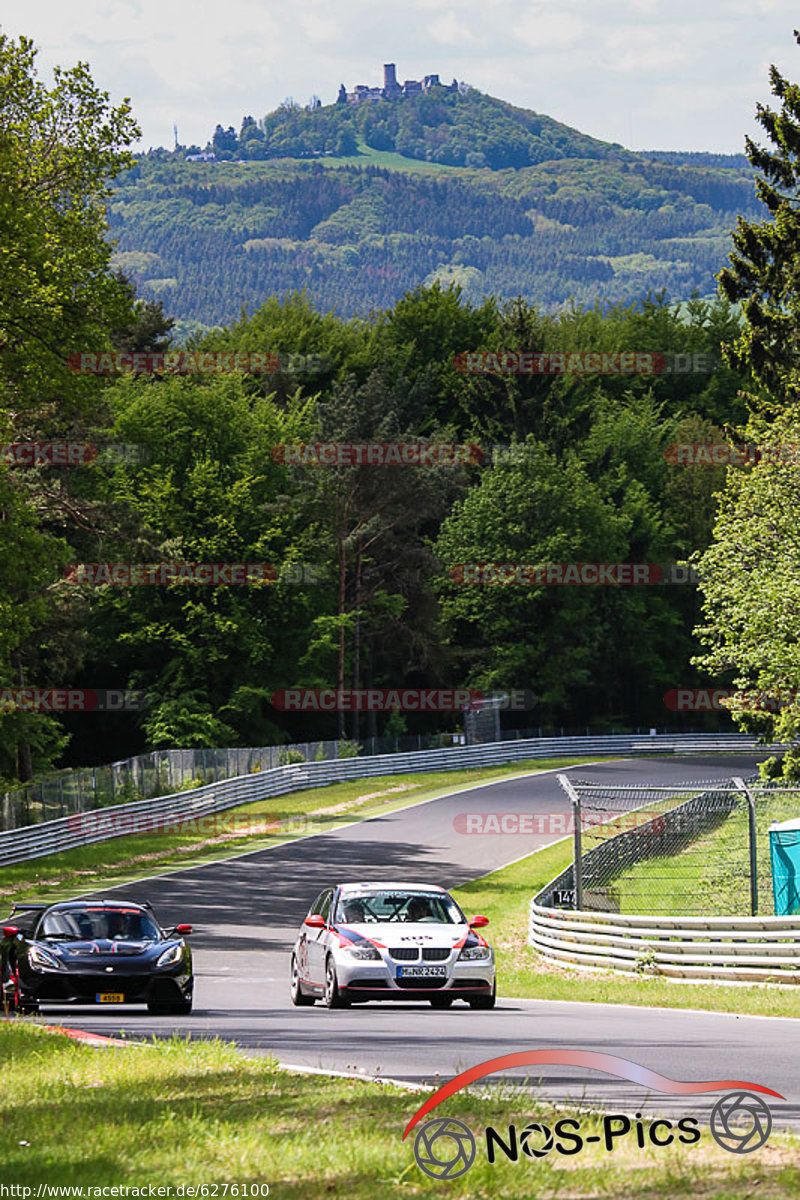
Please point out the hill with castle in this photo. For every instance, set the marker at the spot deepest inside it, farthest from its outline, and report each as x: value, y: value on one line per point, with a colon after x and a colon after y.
x: 420, y: 119
x: 363, y: 199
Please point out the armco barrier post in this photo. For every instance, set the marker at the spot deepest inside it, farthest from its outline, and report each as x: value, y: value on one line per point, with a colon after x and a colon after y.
x: 577, y: 875
x: 751, y: 825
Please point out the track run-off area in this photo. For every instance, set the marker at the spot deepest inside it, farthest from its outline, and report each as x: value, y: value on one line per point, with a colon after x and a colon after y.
x: 246, y: 912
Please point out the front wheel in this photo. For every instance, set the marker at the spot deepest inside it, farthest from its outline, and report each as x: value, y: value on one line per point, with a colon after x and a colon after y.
x: 333, y: 997
x: 172, y: 1008
x: 10, y: 993
x: 485, y: 1001
x: 299, y: 997
x: 13, y: 998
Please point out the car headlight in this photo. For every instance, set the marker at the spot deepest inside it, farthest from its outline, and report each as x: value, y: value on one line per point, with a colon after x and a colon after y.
x: 173, y: 954
x: 42, y: 960
x: 362, y: 952
x: 473, y: 952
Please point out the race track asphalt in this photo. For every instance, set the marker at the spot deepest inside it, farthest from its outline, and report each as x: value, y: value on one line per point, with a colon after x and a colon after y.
x: 246, y: 912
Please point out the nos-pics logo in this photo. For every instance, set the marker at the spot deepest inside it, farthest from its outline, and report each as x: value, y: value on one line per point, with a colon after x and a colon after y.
x: 446, y: 1148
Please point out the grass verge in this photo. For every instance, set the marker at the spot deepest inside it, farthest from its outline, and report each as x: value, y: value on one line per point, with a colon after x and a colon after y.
x: 504, y: 897
x: 316, y: 810
x: 201, y: 1113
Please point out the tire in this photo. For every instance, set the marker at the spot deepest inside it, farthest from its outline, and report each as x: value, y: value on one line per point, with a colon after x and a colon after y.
x: 441, y: 1001
x: 333, y: 997
x: 181, y: 1009
x: 13, y: 1000
x: 299, y: 997
x: 10, y: 993
x: 174, y: 1008
x: 485, y: 1001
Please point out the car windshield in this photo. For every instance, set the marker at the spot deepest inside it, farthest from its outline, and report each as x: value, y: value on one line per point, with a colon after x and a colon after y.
x: 91, y: 923
x: 390, y: 906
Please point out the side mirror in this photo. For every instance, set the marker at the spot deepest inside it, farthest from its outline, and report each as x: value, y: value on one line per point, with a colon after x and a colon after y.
x: 10, y: 930
x: 478, y: 922
x: 315, y: 921
x: 183, y: 929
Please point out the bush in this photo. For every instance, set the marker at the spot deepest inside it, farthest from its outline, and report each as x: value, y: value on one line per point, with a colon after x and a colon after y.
x: 349, y: 749
x: 771, y: 768
x: 289, y: 756
x: 786, y: 767
x: 189, y: 785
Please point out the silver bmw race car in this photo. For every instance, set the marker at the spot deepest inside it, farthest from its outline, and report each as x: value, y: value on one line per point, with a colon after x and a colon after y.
x: 391, y: 941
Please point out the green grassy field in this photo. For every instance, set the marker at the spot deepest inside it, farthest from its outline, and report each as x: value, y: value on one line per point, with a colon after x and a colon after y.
x: 368, y: 157
x: 201, y: 1113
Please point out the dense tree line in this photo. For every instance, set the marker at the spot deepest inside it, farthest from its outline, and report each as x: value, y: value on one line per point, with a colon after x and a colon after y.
x: 207, y: 239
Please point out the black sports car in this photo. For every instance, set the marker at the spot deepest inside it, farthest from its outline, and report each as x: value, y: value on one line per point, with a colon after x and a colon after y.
x: 94, y: 952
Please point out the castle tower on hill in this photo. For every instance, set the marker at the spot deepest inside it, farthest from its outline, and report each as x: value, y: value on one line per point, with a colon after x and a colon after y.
x: 392, y: 90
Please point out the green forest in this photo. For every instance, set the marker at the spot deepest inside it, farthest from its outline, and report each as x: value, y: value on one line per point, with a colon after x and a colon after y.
x: 320, y: 265
x: 359, y: 204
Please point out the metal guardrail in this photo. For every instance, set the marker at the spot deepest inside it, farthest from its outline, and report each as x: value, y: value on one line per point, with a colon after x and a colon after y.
x: 742, y: 949
x: 162, y: 772
x: 155, y: 774
x: 81, y: 829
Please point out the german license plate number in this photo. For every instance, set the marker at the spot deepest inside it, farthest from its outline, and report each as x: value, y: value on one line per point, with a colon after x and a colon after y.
x: 421, y: 972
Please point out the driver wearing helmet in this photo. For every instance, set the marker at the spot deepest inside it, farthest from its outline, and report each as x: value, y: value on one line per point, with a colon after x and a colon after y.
x: 419, y: 909
x: 354, y: 911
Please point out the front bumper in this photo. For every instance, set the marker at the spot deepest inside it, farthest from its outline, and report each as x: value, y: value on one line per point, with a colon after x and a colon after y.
x: 380, y: 980
x: 84, y: 987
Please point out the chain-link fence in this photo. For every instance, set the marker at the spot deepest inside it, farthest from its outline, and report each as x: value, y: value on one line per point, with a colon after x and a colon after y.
x: 699, y: 850
x: 156, y: 774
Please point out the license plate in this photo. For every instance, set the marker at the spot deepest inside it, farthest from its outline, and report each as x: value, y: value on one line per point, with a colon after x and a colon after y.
x: 110, y: 998
x: 422, y: 972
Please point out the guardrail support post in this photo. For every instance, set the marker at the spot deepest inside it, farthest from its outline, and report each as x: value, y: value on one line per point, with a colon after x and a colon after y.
x: 577, y: 872
x: 751, y: 825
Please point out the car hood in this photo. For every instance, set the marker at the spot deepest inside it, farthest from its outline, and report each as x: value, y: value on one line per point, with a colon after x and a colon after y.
x: 401, y: 933
x: 104, y: 947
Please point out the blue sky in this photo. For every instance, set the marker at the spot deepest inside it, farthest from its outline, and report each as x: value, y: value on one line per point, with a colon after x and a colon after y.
x: 651, y: 74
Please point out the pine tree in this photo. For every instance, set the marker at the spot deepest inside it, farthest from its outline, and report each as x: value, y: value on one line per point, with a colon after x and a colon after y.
x: 765, y: 273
